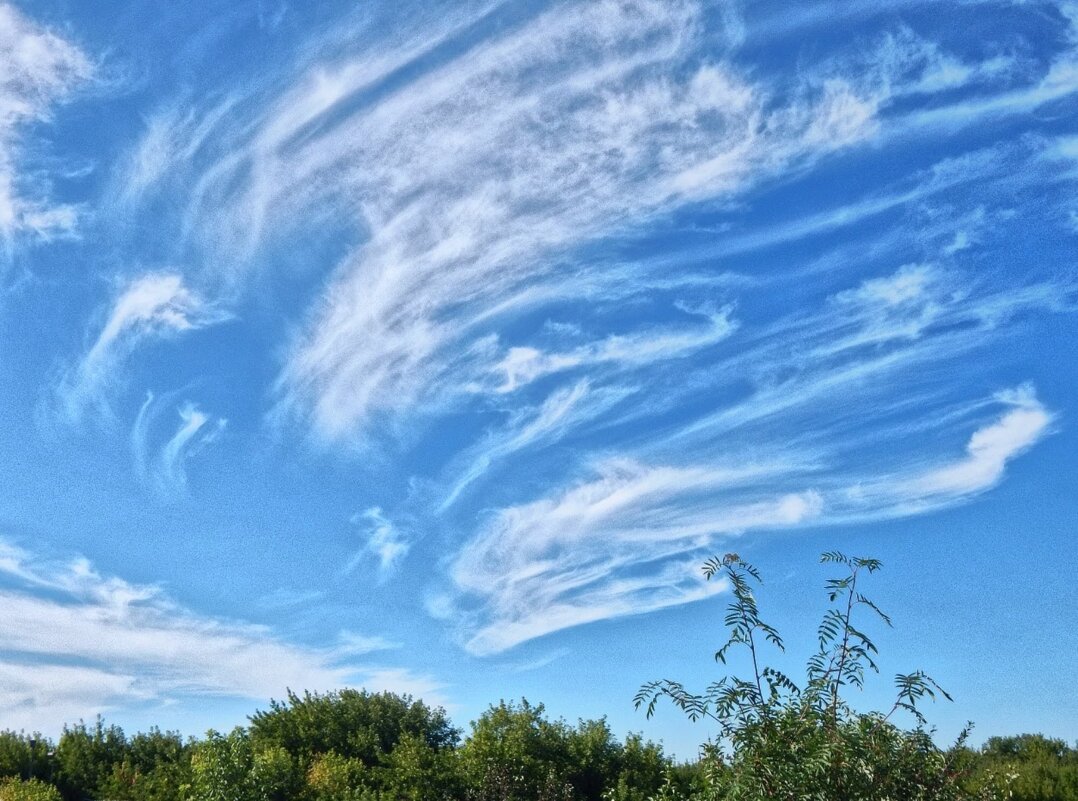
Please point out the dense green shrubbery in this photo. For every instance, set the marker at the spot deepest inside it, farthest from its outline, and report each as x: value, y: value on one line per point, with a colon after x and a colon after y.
x: 343, y: 746
x: 780, y: 740
x: 12, y: 789
x: 1035, y: 768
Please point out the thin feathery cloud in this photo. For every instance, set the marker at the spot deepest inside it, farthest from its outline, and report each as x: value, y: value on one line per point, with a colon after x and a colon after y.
x: 522, y: 365
x: 613, y: 545
x: 465, y: 229
x: 947, y: 174
x: 151, y: 307
x: 81, y: 643
x: 342, y: 373
x: 563, y: 410
x: 922, y: 487
x: 384, y: 542
x: 622, y: 543
x: 457, y: 220
x: 1059, y: 81
x: 990, y: 448
x: 163, y: 465
x: 38, y: 69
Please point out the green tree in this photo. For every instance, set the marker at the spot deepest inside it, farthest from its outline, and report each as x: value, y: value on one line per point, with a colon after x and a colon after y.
x: 415, y: 771
x: 85, y: 757
x: 641, y: 768
x: 1036, y: 768
x: 352, y: 723
x: 156, y: 767
x: 379, y: 742
x: 514, y: 753
x: 332, y: 777
x: 24, y: 755
x: 221, y: 766
x: 782, y: 740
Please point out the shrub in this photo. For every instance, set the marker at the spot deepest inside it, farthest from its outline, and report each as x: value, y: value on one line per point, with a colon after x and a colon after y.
x: 32, y: 790
x: 786, y: 740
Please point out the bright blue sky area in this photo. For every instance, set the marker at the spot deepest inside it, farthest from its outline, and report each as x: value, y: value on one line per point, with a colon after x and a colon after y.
x: 432, y: 348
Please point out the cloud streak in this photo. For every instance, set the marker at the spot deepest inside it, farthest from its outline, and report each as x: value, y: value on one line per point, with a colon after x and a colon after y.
x: 613, y: 545
x: 456, y: 219
x: 77, y: 642
x: 165, y: 470
x: 38, y: 69
x: 384, y: 541
x: 624, y: 542
x: 152, y: 307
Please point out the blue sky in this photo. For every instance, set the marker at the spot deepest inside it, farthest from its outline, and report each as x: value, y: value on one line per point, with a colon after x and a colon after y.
x: 432, y: 347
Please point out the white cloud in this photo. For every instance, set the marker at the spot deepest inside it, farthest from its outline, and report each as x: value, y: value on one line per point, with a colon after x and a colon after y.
x: 399, y: 325
x: 37, y: 70
x: 894, y: 307
x: 351, y: 642
x: 166, y: 469
x: 927, y: 482
x: 36, y: 697
x: 563, y: 410
x: 150, y: 307
x: 383, y: 540
x: 470, y: 181
x: 76, y: 642
x: 522, y: 365
x: 468, y: 178
x: 615, y: 545
x: 1060, y: 81
x: 627, y: 541
x: 990, y: 449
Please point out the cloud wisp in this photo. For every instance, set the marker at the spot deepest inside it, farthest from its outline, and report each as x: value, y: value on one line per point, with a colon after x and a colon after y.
x: 624, y: 542
x: 152, y: 307
x: 468, y: 182
x: 38, y: 69
x: 163, y: 466
x: 77, y: 643
x: 384, y: 542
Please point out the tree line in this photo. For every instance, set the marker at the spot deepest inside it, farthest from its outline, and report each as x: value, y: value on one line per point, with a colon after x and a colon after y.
x: 366, y: 746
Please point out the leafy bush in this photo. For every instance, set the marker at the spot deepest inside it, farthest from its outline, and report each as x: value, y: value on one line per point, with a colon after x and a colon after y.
x: 31, y: 790
x: 1036, y: 768
x: 515, y: 753
x: 785, y: 740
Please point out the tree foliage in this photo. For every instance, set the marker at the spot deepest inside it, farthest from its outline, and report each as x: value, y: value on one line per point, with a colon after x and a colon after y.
x: 28, y: 790
x: 787, y: 739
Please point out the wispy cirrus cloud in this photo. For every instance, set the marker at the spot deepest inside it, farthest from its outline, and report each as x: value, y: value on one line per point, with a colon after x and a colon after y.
x: 623, y: 542
x: 385, y: 542
x: 613, y: 545
x: 38, y: 69
x: 609, y: 138
x: 522, y: 365
x: 563, y: 410
x: 162, y: 464
x: 623, y: 125
x: 151, y: 307
x: 989, y: 450
x: 76, y: 643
